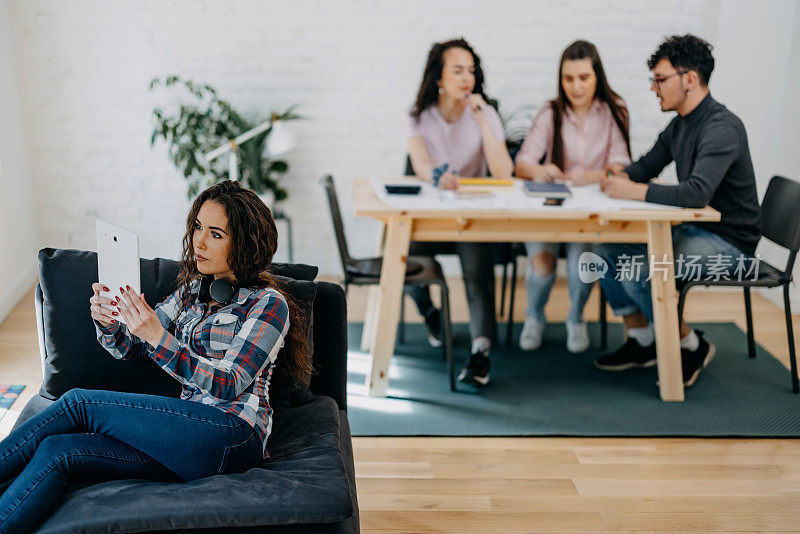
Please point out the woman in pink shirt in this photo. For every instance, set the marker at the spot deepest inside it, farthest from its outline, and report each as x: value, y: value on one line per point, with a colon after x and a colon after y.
x: 452, y: 130
x: 573, y: 137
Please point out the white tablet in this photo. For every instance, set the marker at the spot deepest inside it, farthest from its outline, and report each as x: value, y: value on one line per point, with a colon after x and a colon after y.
x: 117, y: 259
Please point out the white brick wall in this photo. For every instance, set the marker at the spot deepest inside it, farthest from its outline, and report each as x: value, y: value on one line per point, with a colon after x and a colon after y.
x: 353, y: 66
x: 18, y: 236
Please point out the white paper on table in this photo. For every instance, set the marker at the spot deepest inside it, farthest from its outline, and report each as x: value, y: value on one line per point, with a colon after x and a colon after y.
x: 590, y: 197
x: 432, y: 198
x: 587, y: 197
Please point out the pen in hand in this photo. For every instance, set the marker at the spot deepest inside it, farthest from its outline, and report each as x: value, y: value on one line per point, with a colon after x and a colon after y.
x: 478, y: 107
x: 437, y: 173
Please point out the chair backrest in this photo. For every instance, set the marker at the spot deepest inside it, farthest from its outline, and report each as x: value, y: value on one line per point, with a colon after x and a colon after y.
x: 780, y: 216
x: 338, y: 225
x: 409, y: 168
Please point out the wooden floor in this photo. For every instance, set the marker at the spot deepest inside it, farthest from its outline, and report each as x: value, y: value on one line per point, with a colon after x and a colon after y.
x: 547, y: 484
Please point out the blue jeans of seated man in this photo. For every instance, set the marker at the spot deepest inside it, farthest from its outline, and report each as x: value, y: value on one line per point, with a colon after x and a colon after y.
x: 688, y: 240
x: 108, y: 435
x: 538, y: 287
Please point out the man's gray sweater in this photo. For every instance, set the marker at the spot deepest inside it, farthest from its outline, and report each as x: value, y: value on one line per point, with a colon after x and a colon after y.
x: 712, y: 160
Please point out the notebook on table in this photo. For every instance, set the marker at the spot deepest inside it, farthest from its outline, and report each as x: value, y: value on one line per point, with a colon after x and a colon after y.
x: 547, y: 190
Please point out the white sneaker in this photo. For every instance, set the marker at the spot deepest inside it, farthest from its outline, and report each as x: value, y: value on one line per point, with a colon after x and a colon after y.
x: 434, y: 341
x: 577, y: 337
x: 531, y: 336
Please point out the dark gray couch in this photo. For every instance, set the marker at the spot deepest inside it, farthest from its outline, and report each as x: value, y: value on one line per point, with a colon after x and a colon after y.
x: 308, y: 483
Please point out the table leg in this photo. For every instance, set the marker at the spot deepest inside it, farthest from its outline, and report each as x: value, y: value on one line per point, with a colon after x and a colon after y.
x: 665, y: 310
x: 393, y: 273
x: 371, y: 311
x: 370, y: 314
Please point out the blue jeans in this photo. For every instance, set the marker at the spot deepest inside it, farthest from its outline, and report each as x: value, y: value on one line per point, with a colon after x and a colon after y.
x: 538, y: 287
x: 628, y: 296
x: 108, y: 435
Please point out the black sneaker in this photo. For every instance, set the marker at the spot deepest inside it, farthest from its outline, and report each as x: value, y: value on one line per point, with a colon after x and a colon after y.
x: 476, y: 372
x: 628, y: 356
x: 694, y: 361
x: 433, y: 320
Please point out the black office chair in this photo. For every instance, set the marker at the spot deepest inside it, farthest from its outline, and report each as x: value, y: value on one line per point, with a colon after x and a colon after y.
x: 507, y: 254
x: 780, y: 223
x: 420, y: 271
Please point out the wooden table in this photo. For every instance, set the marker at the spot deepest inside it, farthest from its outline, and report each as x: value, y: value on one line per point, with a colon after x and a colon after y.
x: 552, y: 225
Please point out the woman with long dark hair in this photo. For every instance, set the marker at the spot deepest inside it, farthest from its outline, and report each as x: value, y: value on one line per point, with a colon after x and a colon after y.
x: 452, y: 132
x: 573, y: 137
x: 222, y: 353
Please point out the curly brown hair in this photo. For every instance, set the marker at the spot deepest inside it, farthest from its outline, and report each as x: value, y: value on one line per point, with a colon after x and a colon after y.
x: 254, y: 240
x: 687, y: 52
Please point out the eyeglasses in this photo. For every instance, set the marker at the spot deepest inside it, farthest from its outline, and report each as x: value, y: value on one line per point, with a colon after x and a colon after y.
x: 658, y: 81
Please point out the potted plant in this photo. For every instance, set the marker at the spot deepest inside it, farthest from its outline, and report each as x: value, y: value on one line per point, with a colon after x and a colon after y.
x: 196, y: 127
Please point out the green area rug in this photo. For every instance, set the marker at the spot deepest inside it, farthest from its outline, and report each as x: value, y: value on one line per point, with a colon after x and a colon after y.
x: 8, y: 395
x: 551, y: 392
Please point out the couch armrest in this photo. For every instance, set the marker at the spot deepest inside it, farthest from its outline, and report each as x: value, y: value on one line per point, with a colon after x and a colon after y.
x: 330, y: 343
x: 37, y: 302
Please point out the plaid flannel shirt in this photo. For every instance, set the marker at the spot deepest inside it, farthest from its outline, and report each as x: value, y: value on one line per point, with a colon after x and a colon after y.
x: 223, y: 357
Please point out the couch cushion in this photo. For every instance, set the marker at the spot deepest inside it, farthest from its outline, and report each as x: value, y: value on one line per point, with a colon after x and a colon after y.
x: 296, y: 271
x: 330, y: 328
x: 76, y: 360
x: 304, y: 481
x: 74, y: 357
x: 283, y: 393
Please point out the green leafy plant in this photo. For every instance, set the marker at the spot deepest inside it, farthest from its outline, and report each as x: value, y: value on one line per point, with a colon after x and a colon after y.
x: 206, y: 122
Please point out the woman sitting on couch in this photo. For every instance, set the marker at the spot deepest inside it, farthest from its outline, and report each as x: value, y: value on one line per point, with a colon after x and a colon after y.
x: 221, y: 348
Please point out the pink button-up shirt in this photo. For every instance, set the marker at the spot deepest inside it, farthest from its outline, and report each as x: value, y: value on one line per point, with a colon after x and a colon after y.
x: 594, y: 144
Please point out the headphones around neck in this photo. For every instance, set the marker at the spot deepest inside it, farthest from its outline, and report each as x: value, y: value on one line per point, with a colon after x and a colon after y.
x: 219, y: 290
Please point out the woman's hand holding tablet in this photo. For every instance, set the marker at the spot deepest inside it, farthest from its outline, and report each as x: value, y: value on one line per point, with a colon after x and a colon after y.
x: 103, y: 310
x: 117, y: 263
x: 140, y: 318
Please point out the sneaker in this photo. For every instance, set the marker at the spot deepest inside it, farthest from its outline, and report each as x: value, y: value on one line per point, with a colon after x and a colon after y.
x: 433, y: 320
x: 628, y: 356
x: 694, y: 361
x: 577, y: 337
x: 531, y: 336
x: 476, y: 372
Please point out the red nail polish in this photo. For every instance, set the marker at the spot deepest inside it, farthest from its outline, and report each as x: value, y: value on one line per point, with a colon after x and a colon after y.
x: 114, y: 313
x: 113, y: 321
x: 128, y: 288
x: 105, y: 288
x: 117, y: 299
x: 121, y: 290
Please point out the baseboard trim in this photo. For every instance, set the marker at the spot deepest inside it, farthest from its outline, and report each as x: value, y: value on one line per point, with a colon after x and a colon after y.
x: 16, y: 290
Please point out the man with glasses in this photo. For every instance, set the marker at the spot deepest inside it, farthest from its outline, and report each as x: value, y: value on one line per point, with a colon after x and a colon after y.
x: 708, y: 144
